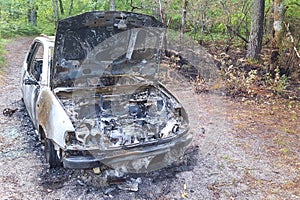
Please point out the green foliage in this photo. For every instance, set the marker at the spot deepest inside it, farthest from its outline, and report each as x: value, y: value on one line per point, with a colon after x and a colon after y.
x: 279, y: 83
x: 216, y: 37
x: 8, y: 30
x: 207, y: 22
x: 2, y: 51
x: 14, y: 14
x: 293, y: 8
x: 215, y: 14
x: 175, y: 22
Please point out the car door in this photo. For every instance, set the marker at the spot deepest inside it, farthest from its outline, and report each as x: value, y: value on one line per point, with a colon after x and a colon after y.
x: 32, y: 78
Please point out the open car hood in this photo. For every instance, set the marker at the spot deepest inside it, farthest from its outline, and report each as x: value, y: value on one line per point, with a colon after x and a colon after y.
x: 93, y: 47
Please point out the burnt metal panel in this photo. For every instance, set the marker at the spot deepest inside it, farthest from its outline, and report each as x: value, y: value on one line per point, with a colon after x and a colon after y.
x: 77, y: 36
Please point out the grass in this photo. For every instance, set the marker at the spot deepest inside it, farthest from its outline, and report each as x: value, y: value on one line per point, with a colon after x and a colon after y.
x: 2, y: 58
x: 13, y: 29
x: 2, y: 51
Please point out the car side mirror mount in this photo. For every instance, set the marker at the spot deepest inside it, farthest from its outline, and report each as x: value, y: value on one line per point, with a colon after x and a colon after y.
x: 30, y: 81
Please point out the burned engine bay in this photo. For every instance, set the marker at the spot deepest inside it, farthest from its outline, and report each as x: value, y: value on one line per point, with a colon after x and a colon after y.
x: 114, y: 117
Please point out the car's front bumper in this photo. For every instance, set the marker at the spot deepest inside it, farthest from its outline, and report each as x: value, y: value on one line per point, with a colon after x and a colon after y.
x: 138, y: 159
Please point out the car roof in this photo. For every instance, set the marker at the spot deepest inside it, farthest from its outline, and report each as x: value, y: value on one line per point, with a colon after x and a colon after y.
x: 46, y: 40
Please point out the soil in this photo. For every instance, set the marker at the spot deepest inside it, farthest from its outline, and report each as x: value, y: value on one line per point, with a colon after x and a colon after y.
x: 241, y: 149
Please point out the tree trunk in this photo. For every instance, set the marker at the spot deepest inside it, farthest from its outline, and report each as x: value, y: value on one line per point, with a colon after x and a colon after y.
x: 55, y: 11
x: 278, y: 6
x: 61, y: 6
x: 203, y: 21
x: 112, y: 5
x: 256, y: 33
x: 162, y: 13
x: 71, y: 7
x: 183, y: 20
x: 32, y: 16
x: 32, y: 13
x: 269, y: 20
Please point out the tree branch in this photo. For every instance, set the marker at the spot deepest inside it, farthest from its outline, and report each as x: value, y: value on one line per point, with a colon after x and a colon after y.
x: 287, y: 26
x: 236, y: 33
x: 133, y: 7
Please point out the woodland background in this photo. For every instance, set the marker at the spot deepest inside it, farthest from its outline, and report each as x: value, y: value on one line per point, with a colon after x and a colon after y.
x: 255, y: 43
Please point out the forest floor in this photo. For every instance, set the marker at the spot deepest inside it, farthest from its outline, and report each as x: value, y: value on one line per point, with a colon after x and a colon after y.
x: 241, y: 149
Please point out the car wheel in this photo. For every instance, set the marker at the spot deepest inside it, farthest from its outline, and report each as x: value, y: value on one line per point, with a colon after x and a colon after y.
x: 51, y: 154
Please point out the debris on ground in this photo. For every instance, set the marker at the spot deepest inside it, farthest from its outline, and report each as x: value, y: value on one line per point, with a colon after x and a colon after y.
x: 8, y: 112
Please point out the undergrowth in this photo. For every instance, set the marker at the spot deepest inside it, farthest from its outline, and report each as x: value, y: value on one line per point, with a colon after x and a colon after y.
x: 8, y: 30
x: 255, y: 83
x: 2, y: 51
x: 241, y: 77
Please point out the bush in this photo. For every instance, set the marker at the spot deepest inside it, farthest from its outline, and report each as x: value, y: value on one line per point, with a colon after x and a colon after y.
x: 2, y: 51
x: 8, y: 30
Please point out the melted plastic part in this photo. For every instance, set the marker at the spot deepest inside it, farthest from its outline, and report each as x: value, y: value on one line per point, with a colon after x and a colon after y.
x: 106, y: 120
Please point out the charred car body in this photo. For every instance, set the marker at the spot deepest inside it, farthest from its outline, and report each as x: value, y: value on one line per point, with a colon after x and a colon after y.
x: 94, y: 97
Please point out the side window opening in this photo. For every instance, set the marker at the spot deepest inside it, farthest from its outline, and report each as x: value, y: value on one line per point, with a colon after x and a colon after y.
x: 36, y: 62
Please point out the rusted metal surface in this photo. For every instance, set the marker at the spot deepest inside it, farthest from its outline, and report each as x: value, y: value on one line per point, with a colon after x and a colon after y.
x: 52, y: 117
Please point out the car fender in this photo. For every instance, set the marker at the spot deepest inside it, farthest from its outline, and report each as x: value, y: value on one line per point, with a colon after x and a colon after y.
x: 52, y: 117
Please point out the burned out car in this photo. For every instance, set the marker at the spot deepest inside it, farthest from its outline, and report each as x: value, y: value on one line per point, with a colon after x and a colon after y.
x: 94, y: 95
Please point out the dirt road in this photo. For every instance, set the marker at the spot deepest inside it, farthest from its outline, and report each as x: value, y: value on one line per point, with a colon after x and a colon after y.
x: 241, y: 150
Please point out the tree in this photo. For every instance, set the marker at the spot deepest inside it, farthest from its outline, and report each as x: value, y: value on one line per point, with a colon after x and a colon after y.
x: 61, y: 7
x: 183, y: 19
x: 112, y: 5
x: 162, y: 12
x: 32, y: 13
x: 278, y: 7
x: 55, y: 11
x: 71, y: 7
x: 256, y: 32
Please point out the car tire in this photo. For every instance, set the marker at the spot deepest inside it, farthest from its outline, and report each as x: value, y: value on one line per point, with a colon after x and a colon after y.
x: 51, y: 154
x: 41, y: 135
